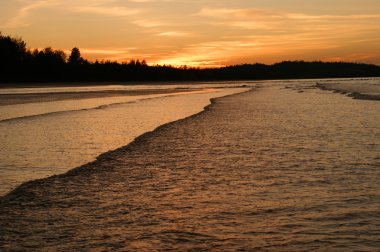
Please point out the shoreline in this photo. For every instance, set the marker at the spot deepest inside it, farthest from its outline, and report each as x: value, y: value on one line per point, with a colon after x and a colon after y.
x: 348, y: 93
x: 103, y: 156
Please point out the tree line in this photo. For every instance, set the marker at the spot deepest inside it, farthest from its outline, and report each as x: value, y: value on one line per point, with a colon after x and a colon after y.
x: 20, y: 64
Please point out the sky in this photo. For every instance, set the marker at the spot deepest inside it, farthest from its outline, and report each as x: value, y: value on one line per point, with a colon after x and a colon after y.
x: 201, y: 33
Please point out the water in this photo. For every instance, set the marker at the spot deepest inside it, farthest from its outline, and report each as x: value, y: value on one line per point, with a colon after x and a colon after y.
x: 13, y: 111
x: 286, y: 167
x: 46, y: 138
x: 358, y: 88
x: 90, y: 87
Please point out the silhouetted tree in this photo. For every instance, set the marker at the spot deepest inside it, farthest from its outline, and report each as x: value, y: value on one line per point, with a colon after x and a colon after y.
x: 75, y: 56
x: 18, y: 64
x: 12, y: 51
x: 132, y: 62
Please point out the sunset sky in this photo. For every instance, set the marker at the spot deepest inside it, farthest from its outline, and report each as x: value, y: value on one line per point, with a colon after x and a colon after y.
x: 200, y: 32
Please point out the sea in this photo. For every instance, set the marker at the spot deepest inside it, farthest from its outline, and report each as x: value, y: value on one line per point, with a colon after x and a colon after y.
x: 286, y: 165
x: 44, y: 138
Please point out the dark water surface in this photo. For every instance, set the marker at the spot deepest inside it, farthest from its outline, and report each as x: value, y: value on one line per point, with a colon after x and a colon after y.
x: 273, y: 169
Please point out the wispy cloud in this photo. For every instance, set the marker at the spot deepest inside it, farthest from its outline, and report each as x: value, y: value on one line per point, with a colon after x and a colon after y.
x: 173, y: 34
x: 148, y: 23
x: 99, y: 7
x: 265, y: 14
x: 239, y: 13
x: 19, y: 20
x: 256, y: 18
x: 112, y: 54
x: 108, y: 11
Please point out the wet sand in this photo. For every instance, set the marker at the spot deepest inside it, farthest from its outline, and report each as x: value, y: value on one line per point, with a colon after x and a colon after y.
x: 272, y: 169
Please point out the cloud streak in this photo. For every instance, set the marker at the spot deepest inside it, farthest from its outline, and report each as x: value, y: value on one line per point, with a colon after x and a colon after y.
x: 173, y: 34
x: 205, y: 32
x: 255, y: 18
x: 98, y: 7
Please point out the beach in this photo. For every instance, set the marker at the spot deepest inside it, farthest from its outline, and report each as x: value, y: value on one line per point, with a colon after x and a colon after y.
x: 283, y: 167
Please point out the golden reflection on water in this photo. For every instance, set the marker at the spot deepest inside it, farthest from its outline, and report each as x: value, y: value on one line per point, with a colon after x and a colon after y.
x: 40, y: 146
x: 273, y: 170
x: 37, y: 107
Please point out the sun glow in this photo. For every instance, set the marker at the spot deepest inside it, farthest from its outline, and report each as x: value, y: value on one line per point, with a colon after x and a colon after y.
x: 199, y: 33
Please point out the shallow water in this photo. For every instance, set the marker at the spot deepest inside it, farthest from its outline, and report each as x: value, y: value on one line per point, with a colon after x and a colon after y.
x: 48, y: 138
x: 366, y: 88
x: 15, y: 111
x: 91, y: 87
x: 275, y: 169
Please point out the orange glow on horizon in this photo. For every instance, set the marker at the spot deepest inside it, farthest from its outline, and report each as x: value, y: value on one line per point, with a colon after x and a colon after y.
x: 200, y: 34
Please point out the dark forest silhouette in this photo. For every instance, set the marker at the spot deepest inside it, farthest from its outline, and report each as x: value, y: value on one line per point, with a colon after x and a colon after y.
x: 20, y: 64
